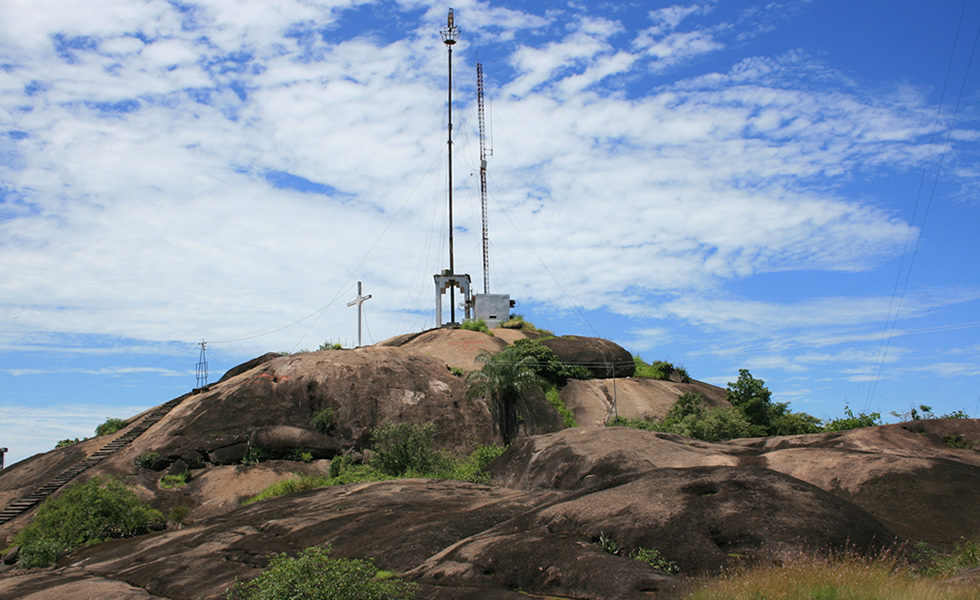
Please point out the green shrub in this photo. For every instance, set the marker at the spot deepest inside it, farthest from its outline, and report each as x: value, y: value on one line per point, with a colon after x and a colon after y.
x: 110, y: 426
x: 295, y: 483
x: 404, y: 448
x: 476, y: 325
x: 567, y: 417
x: 66, y: 442
x: 471, y: 469
x: 314, y: 575
x: 608, y: 544
x: 344, y: 470
x: 146, y: 460
x: 85, y: 513
x: 955, y: 440
x: 457, y: 371
x: 328, y: 346
x: 517, y: 322
x: 305, y: 456
x: 658, y: 369
x: 254, y: 455
x: 323, y: 421
x: 168, y: 482
x: 849, y: 421
x: 178, y: 513
x: 656, y: 560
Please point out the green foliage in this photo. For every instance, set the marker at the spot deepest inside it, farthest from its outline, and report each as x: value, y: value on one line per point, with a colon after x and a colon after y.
x: 295, y: 483
x: 344, y: 470
x: 146, y: 460
x: 555, y: 399
x: 476, y: 325
x: 504, y: 378
x: 301, y: 456
x: 254, y: 455
x: 323, y: 420
x: 328, y: 346
x: 178, y: 513
x: 457, y: 371
x: 544, y: 362
x: 110, y: 426
x: 954, y: 440
x: 608, y: 544
x: 655, y: 559
x: 174, y: 481
x: 791, y: 423
x: 836, y: 578
x: 659, y: 369
x: 473, y: 468
x: 85, y: 513
x: 517, y: 321
x: 66, y: 442
x: 315, y: 575
x: 849, y: 421
x: 401, y: 448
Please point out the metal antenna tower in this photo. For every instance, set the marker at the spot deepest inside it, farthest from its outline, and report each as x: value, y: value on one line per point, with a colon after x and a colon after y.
x: 202, y: 367
x: 450, y: 35
x: 483, y: 177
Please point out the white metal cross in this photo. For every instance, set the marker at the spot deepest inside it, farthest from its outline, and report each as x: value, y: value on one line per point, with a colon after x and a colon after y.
x: 359, y: 301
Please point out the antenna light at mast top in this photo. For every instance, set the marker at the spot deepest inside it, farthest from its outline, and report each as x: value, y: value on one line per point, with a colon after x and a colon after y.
x: 449, y: 33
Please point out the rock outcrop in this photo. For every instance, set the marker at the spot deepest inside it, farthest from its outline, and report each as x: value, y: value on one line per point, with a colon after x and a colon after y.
x: 562, y: 499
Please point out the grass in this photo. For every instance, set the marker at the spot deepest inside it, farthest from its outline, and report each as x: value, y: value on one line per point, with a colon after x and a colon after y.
x: 839, y: 578
x: 294, y: 483
x: 567, y: 417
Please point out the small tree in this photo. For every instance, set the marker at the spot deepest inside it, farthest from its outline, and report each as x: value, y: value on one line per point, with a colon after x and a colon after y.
x: 504, y: 378
x: 110, y: 426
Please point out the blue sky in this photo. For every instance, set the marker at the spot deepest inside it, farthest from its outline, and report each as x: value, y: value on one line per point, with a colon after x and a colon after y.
x: 788, y: 187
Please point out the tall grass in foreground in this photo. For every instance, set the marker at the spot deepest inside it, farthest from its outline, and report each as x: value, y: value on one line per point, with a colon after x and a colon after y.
x: 840, y: 578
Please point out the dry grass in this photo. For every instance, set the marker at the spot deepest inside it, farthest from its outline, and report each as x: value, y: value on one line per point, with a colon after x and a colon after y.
x: 840, y: 578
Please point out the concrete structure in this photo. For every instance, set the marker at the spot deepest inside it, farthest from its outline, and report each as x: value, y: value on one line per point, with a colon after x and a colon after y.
x: 492, y: 309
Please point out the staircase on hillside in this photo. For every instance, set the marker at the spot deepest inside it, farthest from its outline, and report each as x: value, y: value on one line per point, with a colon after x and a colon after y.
x: 27, y: 502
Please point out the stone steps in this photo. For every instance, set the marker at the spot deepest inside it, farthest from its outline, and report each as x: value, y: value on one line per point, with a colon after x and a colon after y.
x: 39, y: 494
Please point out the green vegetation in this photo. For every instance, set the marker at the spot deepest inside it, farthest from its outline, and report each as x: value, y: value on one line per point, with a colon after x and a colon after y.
x: 957, y: 441
x: 110, y: 426
x: 655, y: 559
x: 315, y: 575
x: 837, y: 578
x: 254, y: 455
x: 67, y: 442
x: 177, y: 480
x: 476, y: 325
x: 295, y: 483
x: 658, y: 369
x: 924, y: 412
x: 608, y: 544
x: 146, y: 460
x: 457, y: 371
x: 752, y: 414
x: 323, y: 420
x: 328, y: 346
x: 555, y: 399
x: 504, y: 377
x: 84, y: 514
x: 849, y: 421
x: 404, y: 448
x: 517, y: 322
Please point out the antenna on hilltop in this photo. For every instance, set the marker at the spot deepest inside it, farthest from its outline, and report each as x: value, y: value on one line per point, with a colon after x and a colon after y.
x: 202, y: 367
x: 448, y: 278
x: 361, y: 299
x: 483, y: 177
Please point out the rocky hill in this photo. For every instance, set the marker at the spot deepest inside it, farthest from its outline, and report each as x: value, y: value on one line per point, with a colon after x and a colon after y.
x: 703, y: 506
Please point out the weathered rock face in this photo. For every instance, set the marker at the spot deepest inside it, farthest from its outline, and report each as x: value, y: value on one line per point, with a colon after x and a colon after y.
x: 603, y: 358
x: 702, y: 505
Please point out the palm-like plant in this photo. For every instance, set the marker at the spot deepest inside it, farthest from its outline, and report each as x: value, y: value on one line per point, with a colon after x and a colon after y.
x: 503, y: 378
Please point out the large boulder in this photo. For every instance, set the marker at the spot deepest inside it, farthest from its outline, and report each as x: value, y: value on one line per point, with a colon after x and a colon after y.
x: 603, y: 358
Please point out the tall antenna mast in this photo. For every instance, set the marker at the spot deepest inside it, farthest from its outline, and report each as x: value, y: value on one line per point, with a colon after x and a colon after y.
x: 450, y: 34
x: 483, y: 178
